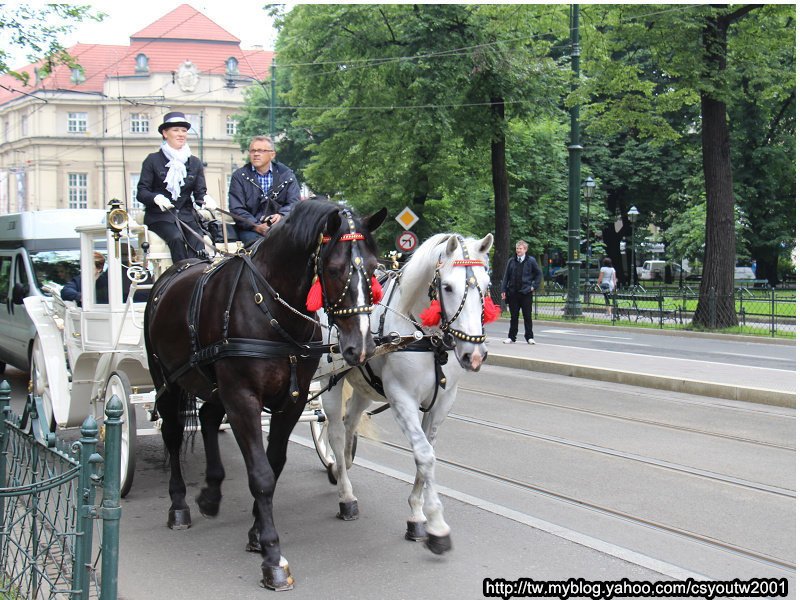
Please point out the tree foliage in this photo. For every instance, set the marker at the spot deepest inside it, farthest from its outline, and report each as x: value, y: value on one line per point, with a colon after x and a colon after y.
x: 38, y: 30
x: 445, y: 107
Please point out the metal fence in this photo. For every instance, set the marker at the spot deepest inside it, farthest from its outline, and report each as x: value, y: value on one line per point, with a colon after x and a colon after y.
x: 56, y: 541
x: 752, y: 311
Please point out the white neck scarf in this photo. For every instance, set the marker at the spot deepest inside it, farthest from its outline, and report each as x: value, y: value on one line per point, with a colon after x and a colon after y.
x: 177, y: 168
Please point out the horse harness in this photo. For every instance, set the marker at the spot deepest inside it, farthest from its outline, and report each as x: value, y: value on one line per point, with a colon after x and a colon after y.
x: 202, y: 357
x: 439, y: 345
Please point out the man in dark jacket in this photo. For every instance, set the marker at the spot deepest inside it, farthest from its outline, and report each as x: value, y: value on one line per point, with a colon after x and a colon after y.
x: 261, y: 192
x: 521, y: 278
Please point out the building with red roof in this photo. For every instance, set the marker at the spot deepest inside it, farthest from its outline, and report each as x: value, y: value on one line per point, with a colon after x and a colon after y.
x: 77, y: 137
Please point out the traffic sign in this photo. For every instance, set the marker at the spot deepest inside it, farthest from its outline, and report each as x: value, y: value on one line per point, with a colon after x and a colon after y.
x: 407, y: 218
x: 406, y: 241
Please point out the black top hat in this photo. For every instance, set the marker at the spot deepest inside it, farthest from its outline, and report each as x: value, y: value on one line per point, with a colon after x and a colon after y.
x: 174, y: 119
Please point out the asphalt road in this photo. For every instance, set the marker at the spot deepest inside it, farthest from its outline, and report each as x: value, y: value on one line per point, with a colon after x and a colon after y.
x: 542, y: 476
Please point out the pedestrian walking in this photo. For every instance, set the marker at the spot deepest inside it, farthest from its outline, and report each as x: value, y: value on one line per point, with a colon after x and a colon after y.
x: 521, y: 279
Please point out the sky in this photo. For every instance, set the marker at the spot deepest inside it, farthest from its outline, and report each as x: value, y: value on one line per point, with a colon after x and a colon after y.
x: 247, y: 21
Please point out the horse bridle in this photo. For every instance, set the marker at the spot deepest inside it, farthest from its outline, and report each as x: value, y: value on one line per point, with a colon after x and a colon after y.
x: 471, y: 282
x: 356, y: 264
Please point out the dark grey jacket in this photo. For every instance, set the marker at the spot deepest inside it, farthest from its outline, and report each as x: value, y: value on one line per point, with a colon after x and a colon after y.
x: 530, y: 279
x: 247, y: 200
x: 151, y: 183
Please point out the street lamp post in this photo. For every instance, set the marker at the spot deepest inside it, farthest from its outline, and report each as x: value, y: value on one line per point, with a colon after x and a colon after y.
x: 633, y: 214
x: 588, y: 191
x: 572, y: 306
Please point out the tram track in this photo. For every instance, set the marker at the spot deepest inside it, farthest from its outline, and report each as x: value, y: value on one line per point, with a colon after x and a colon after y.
x: 639, y: 420
x: 716, y: 544
x: 683, y: 469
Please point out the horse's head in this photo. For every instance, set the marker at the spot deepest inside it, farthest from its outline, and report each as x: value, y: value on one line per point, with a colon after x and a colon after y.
x: 345, y: 282
x: 460, y: 287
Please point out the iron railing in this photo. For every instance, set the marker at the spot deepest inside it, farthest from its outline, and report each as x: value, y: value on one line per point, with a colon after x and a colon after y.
x: 55, y: 540
x: 752, y: 311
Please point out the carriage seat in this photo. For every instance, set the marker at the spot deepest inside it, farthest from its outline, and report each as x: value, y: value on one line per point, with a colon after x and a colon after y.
x: 159, y: 255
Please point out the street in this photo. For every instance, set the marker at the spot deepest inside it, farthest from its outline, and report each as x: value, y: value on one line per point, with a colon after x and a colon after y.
x: 543, y: 476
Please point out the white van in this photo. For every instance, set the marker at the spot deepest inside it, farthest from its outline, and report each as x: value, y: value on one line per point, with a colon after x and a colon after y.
x: 37, y: 249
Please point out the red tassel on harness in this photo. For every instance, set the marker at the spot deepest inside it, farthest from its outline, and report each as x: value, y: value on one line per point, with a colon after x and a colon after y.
x: 377, y: 290
x: 491, y: 311
x: 431, y: 315
x: 314, y: 298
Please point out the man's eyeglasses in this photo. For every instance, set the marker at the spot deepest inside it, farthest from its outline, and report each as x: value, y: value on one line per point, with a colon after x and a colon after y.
x: 261, y: 151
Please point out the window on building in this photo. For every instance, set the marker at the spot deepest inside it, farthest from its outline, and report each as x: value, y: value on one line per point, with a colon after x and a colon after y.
x: 140, y: 123
x: 78, y: 190
x: 231, y: 66
x: 194, y: 119
x: 142, y: 63
x: 231, y: 125
x: 135, y: 207
x: 23, y: 125
x: 76, y: 122
x: 77, y: 75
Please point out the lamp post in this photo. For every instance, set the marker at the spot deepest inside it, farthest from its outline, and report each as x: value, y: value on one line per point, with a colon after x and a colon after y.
x: 588, y: 191
x: 572, y: 306
x: 633, y: 214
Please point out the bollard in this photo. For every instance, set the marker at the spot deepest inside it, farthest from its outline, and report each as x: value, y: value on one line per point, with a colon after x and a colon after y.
x: 111, y: 510
x: 5, y: 410
x: 82, y: 559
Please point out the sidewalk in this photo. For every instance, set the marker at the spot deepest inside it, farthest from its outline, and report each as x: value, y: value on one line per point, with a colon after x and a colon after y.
x: 733, y: 382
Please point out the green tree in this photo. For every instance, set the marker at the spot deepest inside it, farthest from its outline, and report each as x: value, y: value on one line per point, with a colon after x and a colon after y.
x: 38, y: 29
x: 400, y: 96
x: 651, y: 63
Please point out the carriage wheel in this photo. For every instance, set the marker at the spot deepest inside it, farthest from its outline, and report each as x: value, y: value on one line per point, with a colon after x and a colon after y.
x: 319, y: 433
x: 40, y: 384
x: 119, y: 385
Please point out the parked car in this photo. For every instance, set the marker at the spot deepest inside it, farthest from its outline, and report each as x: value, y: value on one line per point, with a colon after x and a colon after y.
x: 37, y: 249
x: 656, y: 270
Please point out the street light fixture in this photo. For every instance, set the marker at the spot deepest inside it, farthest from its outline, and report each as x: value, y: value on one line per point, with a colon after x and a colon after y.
x: 633, y: 214
x: 588, y: 191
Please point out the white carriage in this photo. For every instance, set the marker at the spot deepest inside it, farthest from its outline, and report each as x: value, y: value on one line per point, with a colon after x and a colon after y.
x: 84, y: 354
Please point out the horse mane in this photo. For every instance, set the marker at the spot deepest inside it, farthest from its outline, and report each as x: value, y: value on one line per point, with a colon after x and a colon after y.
x: 418, y: 272
x: 303, y: 225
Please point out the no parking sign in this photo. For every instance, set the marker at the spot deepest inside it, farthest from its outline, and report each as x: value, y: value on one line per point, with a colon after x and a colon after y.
x: 406, y: 242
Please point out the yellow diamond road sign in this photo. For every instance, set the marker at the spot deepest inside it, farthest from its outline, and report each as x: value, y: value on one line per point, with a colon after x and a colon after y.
x: 407, y: 218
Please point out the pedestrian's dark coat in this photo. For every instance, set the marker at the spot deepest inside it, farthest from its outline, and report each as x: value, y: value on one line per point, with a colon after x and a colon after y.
x: 529, y: 279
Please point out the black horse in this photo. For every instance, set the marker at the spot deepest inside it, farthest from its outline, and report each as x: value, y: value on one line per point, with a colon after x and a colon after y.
x: 237, y: 335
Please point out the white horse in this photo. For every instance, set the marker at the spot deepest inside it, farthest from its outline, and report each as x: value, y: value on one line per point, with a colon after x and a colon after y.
x: 453, y: 271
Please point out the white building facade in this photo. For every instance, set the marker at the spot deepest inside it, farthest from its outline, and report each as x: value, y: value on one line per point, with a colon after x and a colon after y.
x: 77, y: 138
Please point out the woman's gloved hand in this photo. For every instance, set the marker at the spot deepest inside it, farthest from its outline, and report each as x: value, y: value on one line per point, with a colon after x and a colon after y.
x: 163, y: 203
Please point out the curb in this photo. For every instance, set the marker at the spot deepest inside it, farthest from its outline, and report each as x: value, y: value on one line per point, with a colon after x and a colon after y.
x: 672, y: 384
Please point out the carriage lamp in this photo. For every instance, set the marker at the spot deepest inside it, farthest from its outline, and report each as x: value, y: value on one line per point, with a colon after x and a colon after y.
x: 117, y: 217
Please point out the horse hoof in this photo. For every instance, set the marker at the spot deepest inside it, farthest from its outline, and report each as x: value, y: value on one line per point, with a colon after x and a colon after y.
x: 179, y: 519
x: 348, y: 511
x: 331, y: 469
x: 438, y: 544
x: 277, y: 578
x: 208, y: 508
x: 415, y: 531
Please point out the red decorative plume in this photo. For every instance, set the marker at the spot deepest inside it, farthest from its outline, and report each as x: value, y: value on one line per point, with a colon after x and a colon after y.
x: 431, y: 315
x: 377, y: 290
x: 490, y: 310
x: 314, y: 298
